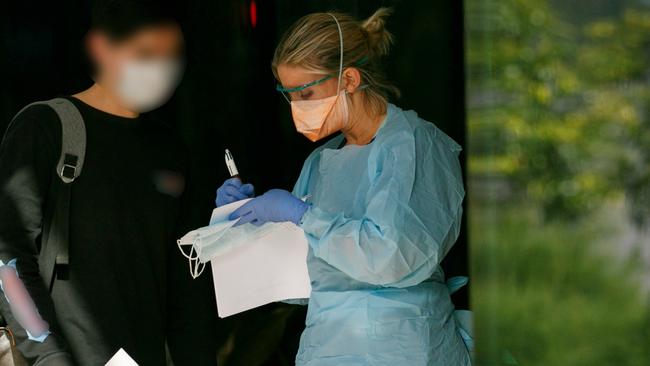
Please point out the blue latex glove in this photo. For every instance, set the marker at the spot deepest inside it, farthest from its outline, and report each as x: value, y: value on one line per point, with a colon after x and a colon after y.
x: 276, y: 205
x: 233, y: 190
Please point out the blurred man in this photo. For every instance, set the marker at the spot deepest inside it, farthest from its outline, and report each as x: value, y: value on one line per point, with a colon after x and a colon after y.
x: 126, y: 285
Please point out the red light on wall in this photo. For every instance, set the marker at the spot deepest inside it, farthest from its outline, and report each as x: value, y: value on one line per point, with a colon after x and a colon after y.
x: 253, y: 13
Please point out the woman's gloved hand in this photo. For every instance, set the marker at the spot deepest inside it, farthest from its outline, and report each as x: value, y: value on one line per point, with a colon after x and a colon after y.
x: 276, y: 205
x: 233, y: 190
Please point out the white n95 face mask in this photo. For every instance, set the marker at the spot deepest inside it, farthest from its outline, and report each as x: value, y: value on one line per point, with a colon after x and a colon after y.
x: 146, y: 85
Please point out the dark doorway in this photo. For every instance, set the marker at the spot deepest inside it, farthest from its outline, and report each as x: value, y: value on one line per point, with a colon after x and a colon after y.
x: 227, y: 98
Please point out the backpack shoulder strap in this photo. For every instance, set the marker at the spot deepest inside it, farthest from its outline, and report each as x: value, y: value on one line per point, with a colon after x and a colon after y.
x: 73, y: 138
x: 54, y: 253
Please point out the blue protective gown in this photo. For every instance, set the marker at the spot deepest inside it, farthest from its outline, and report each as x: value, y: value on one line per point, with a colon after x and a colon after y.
x: 383, y: 216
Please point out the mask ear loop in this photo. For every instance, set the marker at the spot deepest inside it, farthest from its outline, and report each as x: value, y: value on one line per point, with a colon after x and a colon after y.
x: 285, y: 98
x: 195, y: 262
x: 338, y: 88
x: 195, y: 265
x: 188, y: 256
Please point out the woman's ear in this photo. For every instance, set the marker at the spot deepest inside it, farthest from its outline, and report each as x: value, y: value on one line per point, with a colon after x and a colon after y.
x: 352, y: 79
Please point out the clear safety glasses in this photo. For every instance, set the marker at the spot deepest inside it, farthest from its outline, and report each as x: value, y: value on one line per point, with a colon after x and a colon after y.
x: 294, y: 93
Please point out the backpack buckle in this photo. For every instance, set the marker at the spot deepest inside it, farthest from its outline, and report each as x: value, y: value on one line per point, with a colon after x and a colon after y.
x: 69, y: 168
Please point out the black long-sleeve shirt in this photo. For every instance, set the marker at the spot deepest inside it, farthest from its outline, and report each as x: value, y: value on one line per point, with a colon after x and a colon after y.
x: 128, y: 287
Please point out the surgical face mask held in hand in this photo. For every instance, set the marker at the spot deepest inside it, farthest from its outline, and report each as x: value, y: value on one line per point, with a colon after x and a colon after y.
x: 146, y: 85
x: 202, y: 243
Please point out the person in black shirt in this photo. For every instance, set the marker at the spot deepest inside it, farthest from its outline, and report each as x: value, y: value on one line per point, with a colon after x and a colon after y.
x: 127, y: 285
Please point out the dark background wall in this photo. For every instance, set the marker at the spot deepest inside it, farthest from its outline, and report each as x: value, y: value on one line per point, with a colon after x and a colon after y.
x: 227, y: 97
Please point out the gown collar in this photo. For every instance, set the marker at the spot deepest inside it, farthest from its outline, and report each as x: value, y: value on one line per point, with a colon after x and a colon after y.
x: 391, y: 110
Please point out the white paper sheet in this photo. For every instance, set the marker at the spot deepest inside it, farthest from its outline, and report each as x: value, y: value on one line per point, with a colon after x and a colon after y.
x: 221, y: 214
x: 121, y: 358
x: 271, y: 267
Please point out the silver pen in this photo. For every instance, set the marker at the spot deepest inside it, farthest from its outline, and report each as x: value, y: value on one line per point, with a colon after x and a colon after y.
x: 230, y: 163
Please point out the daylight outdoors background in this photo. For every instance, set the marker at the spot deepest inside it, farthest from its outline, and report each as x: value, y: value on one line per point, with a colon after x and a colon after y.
x: 558, y: 97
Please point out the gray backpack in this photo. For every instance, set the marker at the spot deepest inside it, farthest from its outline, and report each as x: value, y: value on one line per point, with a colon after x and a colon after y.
x: 54, y: 254
x: 53, y: 258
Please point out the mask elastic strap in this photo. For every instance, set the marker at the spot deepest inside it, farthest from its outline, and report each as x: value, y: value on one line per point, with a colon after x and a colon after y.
x: 341, y: 44
x: 188, y: 256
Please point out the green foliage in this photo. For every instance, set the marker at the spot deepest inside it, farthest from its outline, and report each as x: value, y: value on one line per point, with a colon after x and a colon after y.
x: 559, y: 107
x: 559, y: 99
x: 542, y: 293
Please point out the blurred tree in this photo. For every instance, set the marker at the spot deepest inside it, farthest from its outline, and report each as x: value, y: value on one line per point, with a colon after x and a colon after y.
x: 560, y: 106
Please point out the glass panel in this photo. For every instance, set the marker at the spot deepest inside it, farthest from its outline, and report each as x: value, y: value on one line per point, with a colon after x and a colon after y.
x: 559, y: 176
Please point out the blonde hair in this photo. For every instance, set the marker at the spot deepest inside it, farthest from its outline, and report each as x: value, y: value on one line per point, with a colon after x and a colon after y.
x: 313, y: 43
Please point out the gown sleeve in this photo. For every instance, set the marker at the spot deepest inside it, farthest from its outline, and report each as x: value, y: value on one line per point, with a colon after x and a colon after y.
x: 413, y: 208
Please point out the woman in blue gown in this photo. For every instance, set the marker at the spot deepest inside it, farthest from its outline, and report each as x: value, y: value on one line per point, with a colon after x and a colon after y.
x: 381, y: 207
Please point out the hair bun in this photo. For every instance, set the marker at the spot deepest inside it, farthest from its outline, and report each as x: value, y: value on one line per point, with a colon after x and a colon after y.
x: 379, y: 39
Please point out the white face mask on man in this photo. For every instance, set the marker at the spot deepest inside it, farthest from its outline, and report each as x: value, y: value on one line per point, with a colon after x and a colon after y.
x: 144, y: 85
